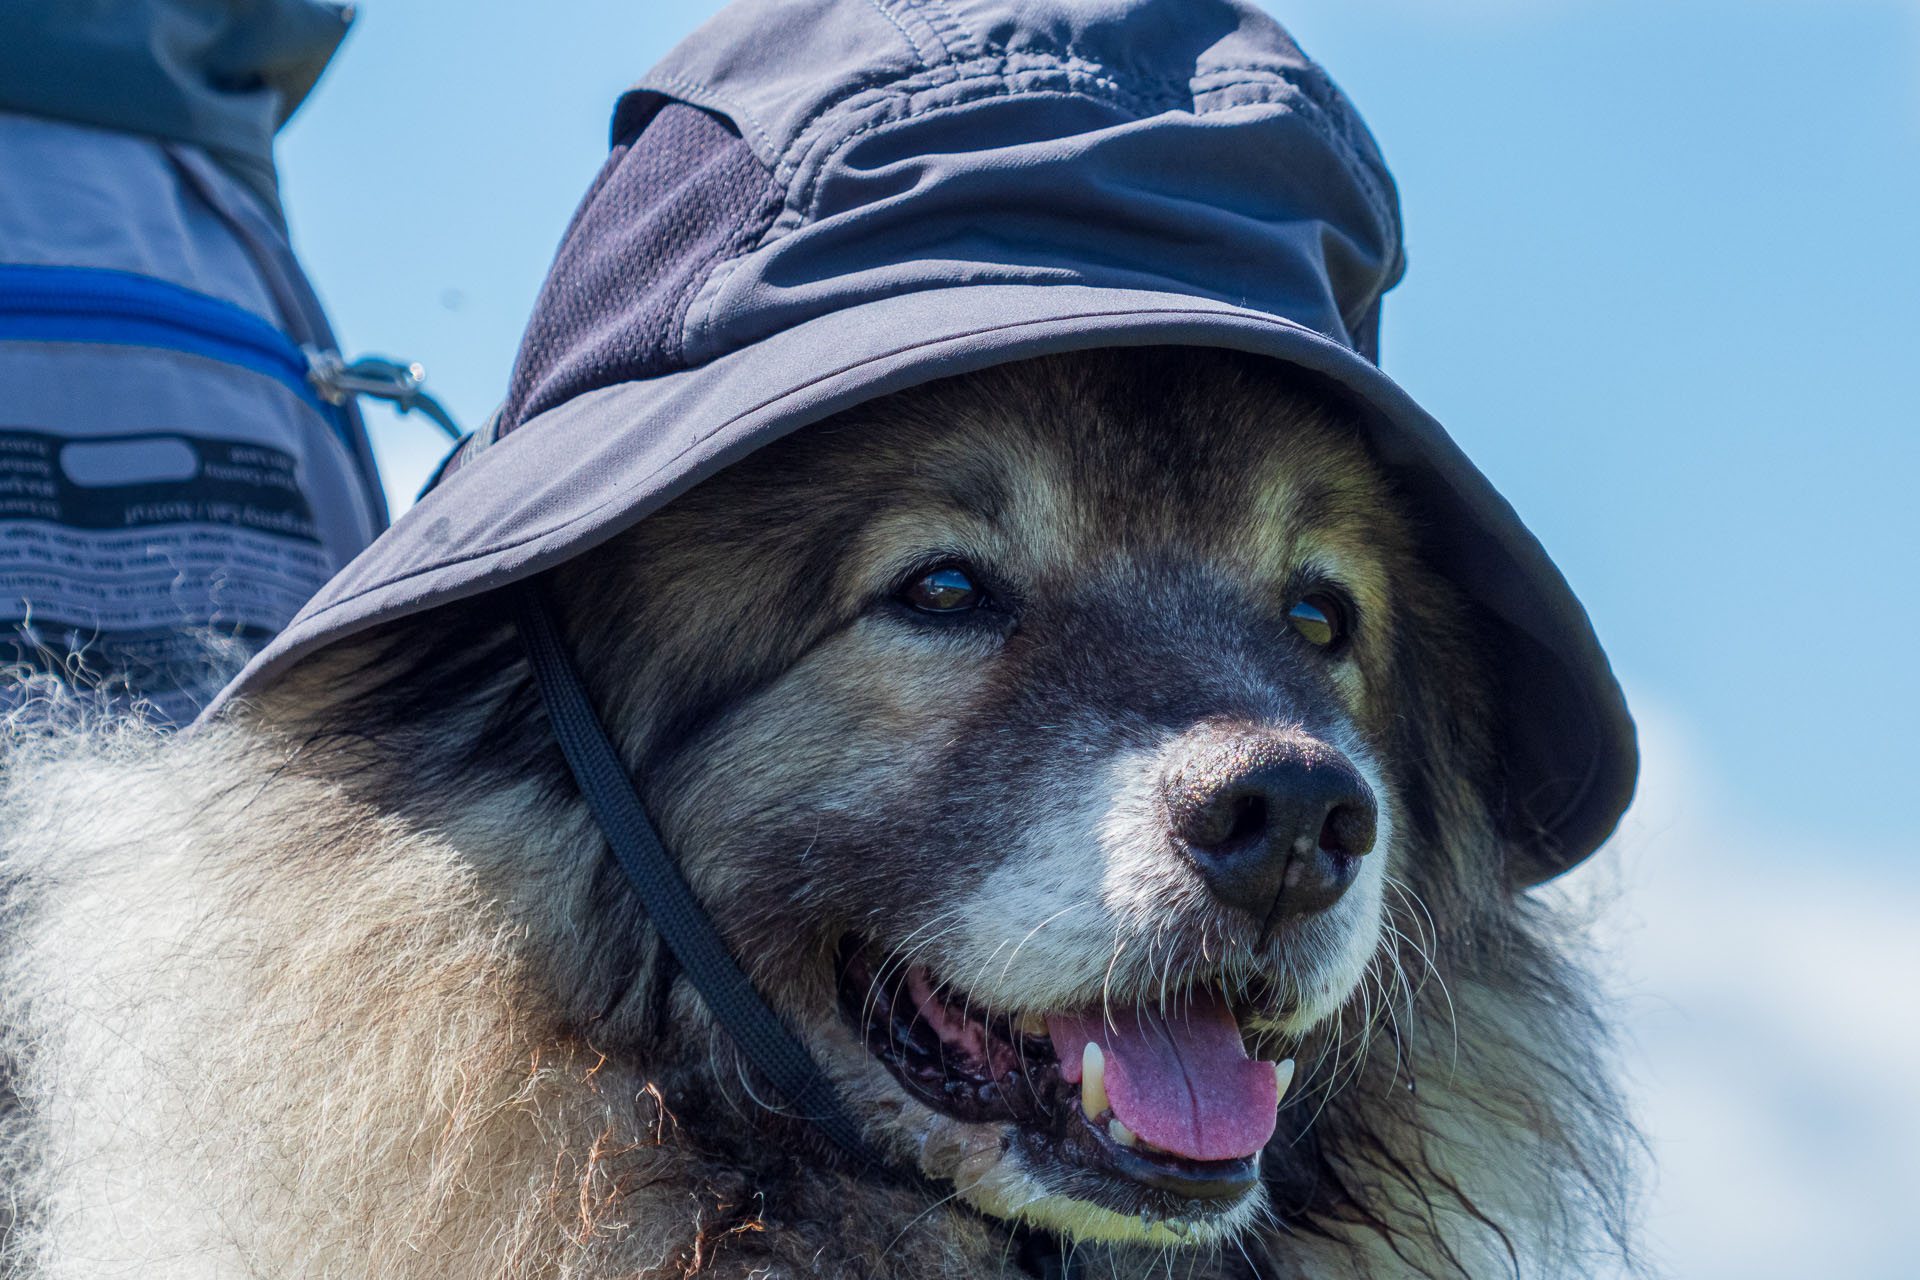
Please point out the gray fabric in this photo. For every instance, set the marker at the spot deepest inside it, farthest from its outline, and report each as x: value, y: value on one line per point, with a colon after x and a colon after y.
x: 298, y: 311
x: 965, y: 182
x: 154, y: 492
x: 658, y: 218
x: 221, y: 75
x: 85, y: 197
x: 1179, y: 143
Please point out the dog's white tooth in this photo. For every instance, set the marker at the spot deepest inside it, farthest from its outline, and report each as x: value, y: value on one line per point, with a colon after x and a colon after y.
x: 1030, y: 1024
x: 1283, y: 1074
x: 1121, y: 1134
x: 1093, y: 1080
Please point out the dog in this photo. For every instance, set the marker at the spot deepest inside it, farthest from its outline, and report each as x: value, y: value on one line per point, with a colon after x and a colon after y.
x: 1043, y: 741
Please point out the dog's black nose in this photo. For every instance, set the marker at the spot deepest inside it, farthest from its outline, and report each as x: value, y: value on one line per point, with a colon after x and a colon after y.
x: 1276, y: 823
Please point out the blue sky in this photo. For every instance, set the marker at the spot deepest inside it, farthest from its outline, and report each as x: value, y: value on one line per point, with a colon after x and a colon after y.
x: 1664, y: 289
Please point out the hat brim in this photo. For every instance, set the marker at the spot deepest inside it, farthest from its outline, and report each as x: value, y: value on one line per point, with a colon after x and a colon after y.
x: 588, y: 469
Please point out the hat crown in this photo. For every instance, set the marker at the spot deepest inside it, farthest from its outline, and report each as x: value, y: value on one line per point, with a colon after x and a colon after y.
x: 890, y: 146
x: 812, y: 203
x: 781, y: 68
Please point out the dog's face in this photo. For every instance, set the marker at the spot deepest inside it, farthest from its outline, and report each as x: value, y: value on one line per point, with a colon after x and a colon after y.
x: 1034, y: 740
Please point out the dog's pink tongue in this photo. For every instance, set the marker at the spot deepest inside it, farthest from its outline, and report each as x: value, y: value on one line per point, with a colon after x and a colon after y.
x: 1182, y: 1081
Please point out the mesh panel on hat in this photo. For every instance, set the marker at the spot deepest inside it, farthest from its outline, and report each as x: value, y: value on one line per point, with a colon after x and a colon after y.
x: 684, y: 195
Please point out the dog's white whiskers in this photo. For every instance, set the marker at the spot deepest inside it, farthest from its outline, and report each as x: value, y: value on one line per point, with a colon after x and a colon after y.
x: 979, y: 971
x: 1031, y: 933
x: 1106, y: 985
x: 1414, y: 900
x: 893, y: 966
x: 921, y: 1216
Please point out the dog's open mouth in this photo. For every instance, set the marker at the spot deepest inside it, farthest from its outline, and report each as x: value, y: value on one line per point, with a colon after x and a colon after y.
x: 1154, y: 1110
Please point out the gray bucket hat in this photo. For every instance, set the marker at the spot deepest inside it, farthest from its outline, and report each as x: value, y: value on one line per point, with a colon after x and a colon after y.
x: 812, y: 203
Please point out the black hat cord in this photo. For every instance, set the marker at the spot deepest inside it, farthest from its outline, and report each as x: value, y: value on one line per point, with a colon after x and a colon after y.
x: 683, y: 923
x: 670, y: 904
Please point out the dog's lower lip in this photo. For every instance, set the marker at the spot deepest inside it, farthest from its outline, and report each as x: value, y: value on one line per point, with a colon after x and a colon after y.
x: 1013, y: 1077
x: 1193, y: 1180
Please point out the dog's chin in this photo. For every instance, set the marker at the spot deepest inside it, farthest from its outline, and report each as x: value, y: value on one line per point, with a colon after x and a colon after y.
x: 1000, y: 1171
x: 1023, y: 1136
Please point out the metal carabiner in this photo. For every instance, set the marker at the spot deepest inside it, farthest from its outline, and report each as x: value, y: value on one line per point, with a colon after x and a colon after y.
x: 402, y: 385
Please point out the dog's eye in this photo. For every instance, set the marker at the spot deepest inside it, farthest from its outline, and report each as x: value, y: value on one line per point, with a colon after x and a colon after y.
x: 1319, y: 618
x: 945, y: 590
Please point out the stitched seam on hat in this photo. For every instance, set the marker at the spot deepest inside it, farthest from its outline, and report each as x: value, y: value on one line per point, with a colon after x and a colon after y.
x: 946, y: 25
x: 695, y: 94
x: 713, y: 284
x: 731, y: 252
x: 993, y: 84
x: 1331, y: 117
x: 1310, y: 78
x: 892, y: 84
x: 901, y: 27
x: 1276, y: 322
x: 1171, y: 90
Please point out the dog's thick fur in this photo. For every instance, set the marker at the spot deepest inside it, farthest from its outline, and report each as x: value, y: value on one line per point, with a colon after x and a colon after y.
x: 346, y: 985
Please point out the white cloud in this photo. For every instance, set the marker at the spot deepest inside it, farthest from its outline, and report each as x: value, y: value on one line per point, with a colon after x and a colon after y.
x: 1770, y: 999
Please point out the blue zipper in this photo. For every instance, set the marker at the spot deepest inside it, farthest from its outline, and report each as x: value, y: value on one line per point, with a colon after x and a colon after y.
x: 95, y: 304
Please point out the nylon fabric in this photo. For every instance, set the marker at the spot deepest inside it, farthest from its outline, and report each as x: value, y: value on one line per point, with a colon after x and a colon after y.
x: 220, y: 75
x: 175, y: 484
x: 666, y: 209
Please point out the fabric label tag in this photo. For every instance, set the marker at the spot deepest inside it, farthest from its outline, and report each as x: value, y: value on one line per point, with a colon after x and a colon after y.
x: 111, y: 548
